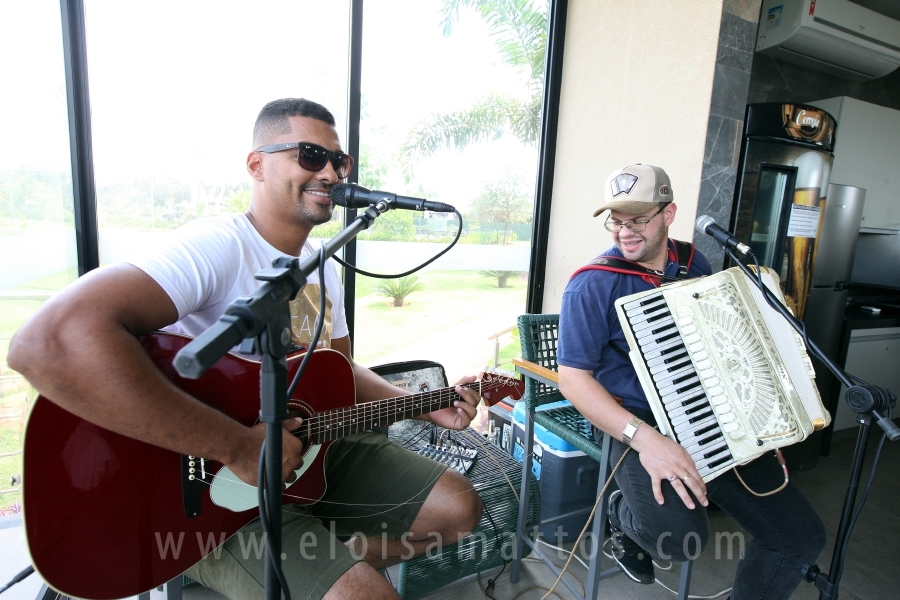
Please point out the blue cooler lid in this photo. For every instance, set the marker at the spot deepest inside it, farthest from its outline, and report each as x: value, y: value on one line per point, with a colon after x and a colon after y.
x: 549, y: 438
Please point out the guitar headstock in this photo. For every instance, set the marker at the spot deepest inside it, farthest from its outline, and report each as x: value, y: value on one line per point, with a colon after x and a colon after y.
x: 496, y: 386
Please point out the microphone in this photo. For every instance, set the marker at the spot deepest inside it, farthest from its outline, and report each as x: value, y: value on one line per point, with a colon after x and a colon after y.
x: 706, y: 224
x: 352, y: 195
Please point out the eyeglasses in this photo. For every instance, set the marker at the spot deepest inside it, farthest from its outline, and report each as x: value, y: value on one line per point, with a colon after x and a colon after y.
x: 314, y: 158
x: 636, y: 225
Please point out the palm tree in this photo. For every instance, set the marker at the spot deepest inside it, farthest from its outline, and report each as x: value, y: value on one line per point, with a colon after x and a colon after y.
x: 520, y: 32
x: 399, y: 289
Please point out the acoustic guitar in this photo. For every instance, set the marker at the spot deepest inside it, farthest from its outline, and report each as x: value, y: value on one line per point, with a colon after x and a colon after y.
x: 107, y: 516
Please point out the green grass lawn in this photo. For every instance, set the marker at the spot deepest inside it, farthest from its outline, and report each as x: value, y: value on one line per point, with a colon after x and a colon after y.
x: 449, y: 300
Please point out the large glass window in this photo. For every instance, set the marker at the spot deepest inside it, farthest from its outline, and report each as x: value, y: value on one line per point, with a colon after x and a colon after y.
x: 175, y: 89
x: 37, y: 232
x: 450, y: 112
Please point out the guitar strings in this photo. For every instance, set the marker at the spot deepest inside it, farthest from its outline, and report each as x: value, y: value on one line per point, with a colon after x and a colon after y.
x: 339, y: 419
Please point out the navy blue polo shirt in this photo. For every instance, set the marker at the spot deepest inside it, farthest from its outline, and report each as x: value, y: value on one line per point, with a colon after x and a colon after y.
x: 588, y: 322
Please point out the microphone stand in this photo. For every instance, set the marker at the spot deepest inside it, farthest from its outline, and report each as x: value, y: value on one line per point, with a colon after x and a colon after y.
x: 263, y: 318
x: 869, y: 402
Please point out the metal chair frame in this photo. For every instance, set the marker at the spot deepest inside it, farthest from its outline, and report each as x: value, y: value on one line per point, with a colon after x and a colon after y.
x: 538, y: 336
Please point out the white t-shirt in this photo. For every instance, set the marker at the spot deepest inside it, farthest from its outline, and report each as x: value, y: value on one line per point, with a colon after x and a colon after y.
x: 210, y: 262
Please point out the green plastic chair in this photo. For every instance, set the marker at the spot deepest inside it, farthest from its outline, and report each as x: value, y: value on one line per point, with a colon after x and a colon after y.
x: 538, y: 335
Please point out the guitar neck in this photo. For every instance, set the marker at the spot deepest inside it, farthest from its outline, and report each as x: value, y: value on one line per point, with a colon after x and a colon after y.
x: 333, y: 424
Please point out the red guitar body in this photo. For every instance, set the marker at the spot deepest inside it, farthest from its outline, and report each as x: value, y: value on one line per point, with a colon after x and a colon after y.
x: 99, y: 507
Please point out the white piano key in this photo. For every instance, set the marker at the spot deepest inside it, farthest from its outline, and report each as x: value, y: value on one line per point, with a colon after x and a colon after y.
x: 661, y: 370
x: 650, y: 346
x: 676, y: 346
x: 648, y: 326
x: 708, y: 471
x: 677, y: 414
x: 641, y: 316
x: 683, y: 422
x: 672, y: 386
x: 645, y: 301
x: 696, y: 447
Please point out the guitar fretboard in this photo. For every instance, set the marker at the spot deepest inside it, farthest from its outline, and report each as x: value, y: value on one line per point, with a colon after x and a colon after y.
x: 334, y: 424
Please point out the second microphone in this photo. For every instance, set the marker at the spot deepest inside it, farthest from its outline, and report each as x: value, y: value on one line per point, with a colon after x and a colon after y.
x: 352, y: 195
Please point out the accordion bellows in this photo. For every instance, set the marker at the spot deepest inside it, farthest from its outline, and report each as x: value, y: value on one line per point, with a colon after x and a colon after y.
x: 726, y: 376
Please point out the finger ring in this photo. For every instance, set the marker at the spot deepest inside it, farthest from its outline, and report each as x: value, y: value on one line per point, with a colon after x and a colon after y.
x: 673, y: 477
x: 686, y: 477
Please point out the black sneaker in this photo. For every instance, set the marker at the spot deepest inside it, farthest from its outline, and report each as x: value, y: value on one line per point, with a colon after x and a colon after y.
x: 634, y: 561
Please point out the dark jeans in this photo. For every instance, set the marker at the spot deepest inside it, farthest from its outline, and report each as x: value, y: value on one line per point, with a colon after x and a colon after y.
x: 786, y: 532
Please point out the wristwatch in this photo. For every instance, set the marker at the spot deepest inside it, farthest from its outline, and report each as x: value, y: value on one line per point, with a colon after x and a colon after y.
x: 630, y: 430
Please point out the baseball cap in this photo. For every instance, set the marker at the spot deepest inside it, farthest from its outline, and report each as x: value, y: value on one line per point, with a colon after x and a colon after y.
x: 636, y: 189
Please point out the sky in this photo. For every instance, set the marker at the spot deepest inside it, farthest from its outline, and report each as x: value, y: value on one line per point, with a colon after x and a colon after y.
x: 176, y: 85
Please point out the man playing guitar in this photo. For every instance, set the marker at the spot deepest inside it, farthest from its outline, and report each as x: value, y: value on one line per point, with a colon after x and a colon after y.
x: 82, y: 350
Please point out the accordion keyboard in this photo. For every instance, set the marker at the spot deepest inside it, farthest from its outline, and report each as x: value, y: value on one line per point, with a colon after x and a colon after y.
x: 680, y: 368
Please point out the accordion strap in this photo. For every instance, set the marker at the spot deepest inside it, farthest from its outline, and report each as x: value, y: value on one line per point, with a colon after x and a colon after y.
x: 684, y: 254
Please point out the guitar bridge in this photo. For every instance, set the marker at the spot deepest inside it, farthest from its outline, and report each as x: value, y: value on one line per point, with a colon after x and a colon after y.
x: 195, y: 479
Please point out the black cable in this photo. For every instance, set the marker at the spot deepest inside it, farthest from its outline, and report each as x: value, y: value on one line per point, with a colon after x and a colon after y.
x: 22, y: 575
x: 264, y: 521
x: 426, y: 428
x: 320, y: 322
x: 492, y: 582
x: 413, y: 270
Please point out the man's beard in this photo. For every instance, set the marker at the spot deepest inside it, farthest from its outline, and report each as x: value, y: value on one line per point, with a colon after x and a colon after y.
x: 649, y: 250
x: 314, y: 214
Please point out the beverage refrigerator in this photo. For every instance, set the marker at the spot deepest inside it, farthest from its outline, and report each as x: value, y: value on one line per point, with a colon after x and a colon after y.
x: 798, y: 225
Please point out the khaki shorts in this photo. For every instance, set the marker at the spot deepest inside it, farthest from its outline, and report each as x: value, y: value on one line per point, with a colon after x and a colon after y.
x: 374, y: 487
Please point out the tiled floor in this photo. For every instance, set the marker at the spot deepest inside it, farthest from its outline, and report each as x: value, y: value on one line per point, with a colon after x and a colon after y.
x: 872, y: 569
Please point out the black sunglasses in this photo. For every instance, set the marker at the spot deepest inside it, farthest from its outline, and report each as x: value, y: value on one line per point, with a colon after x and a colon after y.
x: 314, y: 158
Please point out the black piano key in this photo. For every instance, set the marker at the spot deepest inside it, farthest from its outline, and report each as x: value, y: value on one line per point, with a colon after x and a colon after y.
x: 687, y: 387
x: 658, y: 317
x: 683, y: 377
x: 694, y: 409
x: 706, y: 429
x: 661, y: 329
x: 700, y: 418
x: 678, y: 367
x: 714, y: 451
x: 672, y: 349
x: 716, y: 463
x: 693, y: 399
x: 653, y: 300
x: 674, y: 358
x: 664, y: 338
x: 708, y: 439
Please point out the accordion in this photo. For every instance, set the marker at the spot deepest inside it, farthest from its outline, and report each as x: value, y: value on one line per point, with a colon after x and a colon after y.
x: 726, y: 376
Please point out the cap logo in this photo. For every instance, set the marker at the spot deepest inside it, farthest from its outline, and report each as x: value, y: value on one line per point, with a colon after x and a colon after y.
x: 663, y: 190
x: 623, y: 184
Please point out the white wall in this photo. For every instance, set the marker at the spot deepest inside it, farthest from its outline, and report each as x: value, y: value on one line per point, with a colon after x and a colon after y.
x: 636, y: 87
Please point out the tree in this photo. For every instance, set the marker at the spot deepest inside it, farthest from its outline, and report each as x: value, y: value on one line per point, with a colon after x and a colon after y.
x: 520, y: 33
x: 504, y: 201
x: 501, y: 276
x: 399, y: 289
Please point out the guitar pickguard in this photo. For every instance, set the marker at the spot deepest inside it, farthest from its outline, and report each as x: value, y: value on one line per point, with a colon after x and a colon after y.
x: 229, y: 492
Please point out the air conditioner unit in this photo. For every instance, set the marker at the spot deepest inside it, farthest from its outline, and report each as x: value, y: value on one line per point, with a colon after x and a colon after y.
x: 835, y: 36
